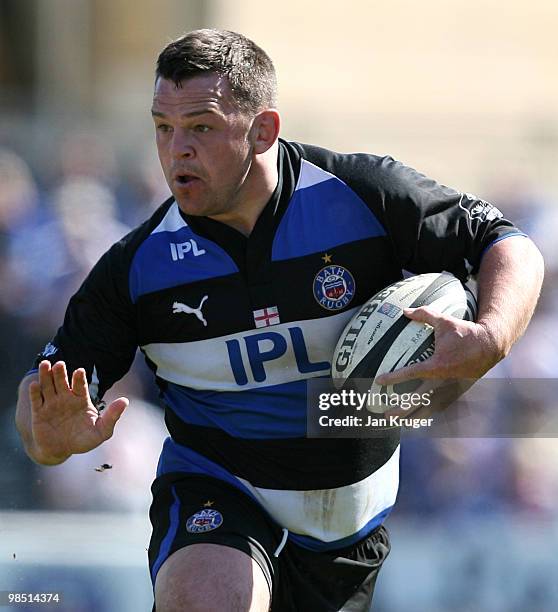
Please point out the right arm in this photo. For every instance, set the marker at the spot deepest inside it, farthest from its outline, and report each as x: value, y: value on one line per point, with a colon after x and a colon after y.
x: 56, y: 420
x: 56, y: 412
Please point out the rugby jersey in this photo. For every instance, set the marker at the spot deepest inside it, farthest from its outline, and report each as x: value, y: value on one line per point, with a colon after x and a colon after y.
x: 233, y: 327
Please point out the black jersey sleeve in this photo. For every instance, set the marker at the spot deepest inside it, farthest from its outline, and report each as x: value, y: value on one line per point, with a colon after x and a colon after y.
x: 98, y: 332
x: 431, y: 227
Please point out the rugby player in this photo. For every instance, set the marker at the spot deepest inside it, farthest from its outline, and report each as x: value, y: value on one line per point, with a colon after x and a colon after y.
x: 236, y: 290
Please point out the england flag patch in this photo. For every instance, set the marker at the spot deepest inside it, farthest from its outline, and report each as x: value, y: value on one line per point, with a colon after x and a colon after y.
x: 266, y: 316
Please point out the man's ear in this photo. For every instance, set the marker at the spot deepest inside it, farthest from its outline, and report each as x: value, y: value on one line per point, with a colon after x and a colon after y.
x: 266, y: 130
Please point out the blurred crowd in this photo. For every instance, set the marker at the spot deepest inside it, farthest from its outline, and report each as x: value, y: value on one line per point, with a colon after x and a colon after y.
x: 52, y: 232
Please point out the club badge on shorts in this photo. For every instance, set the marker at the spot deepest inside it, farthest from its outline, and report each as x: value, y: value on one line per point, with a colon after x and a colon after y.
x: 334, y: 287
x: 204, y: 520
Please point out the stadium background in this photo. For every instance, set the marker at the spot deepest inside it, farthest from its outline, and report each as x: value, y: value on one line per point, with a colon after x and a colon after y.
x: 464, y: 91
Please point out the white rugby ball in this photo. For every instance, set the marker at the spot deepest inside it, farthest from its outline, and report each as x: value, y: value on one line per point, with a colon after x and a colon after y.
x: 379, y: 338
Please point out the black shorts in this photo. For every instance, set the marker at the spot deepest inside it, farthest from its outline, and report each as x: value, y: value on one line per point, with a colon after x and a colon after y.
x: 200, y: 509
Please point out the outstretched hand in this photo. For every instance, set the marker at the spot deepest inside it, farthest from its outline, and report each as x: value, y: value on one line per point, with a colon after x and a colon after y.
x: 463, y: 350
x: 64, y: 420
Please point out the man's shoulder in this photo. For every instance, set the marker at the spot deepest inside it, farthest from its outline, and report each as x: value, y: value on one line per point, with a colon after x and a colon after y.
x: 359, y: 169
x: 129, y: 243
x: 145, y: 228
x: 120, y: 255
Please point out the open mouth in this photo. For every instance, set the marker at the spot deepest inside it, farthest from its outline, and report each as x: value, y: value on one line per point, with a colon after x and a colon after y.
x: 184, y: 179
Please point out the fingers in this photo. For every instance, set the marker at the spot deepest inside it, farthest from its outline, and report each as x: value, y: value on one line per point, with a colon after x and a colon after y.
x: 60, y: 378
x: 79, y: 383
x: 107, y: 421
x: 53, y: 380
x: 430, y: 368
x: 53, y: 383
x: 35, y: 395
x: 423, y: 369
x: 45, y: 380
x: 424, y: 315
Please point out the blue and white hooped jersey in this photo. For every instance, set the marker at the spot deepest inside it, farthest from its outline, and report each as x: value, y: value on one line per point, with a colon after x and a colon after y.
x: 233, y: 327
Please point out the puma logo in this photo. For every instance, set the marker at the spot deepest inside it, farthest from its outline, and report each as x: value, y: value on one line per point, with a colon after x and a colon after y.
x: 179, y: 307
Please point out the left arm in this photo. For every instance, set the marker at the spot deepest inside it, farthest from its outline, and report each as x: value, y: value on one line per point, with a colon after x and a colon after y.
x: 509, y: 281
x: 430, y: 227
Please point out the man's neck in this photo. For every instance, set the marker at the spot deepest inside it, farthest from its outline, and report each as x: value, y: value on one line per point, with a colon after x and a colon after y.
x: 259, y: 189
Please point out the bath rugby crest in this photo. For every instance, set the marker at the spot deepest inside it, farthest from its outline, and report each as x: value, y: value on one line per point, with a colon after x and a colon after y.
x: 204, y: 520
x: 334, y: 287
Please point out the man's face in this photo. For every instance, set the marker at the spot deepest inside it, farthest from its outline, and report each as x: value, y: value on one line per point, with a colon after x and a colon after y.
x: 204, y: 143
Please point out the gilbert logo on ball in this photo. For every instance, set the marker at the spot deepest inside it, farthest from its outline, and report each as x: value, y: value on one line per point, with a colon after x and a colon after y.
x: 334, y: 287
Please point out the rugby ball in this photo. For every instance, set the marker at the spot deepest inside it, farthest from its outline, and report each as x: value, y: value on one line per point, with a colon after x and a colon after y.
x: 380, y: 338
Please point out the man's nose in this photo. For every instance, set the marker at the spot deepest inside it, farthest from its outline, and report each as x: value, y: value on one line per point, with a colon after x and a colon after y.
x: 182, y: 146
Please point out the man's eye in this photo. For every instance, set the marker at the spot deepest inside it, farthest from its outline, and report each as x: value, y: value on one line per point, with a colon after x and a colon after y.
x: 202, y: 128
x: 163, y: 127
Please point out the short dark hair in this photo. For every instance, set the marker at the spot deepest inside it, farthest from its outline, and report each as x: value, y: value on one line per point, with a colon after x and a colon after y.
x: 248, y: 68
